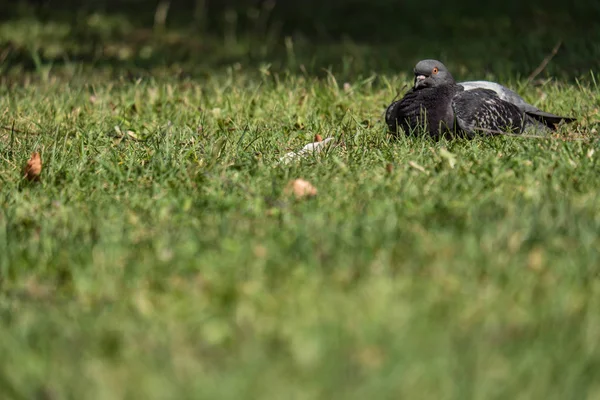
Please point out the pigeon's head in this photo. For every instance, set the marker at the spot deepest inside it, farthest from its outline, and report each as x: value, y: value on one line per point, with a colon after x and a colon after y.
x: 431, y: 73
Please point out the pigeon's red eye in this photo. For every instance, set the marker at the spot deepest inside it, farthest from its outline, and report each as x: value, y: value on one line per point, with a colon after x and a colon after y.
x: 435, y: 70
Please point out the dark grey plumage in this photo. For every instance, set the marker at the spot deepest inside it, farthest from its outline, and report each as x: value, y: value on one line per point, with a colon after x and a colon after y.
x: 548, y: 119
x: 428, y: 108
x: 483, y: 110
x: 438, y: 105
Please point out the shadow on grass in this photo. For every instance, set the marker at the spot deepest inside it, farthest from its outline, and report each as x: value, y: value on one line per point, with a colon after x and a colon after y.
x: 350, y: 38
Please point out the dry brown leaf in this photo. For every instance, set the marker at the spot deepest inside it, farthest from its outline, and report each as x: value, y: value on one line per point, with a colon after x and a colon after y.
x: 33, y: 168
x: 318, y: 138
x: 389, y: 167
x: 300, y: 189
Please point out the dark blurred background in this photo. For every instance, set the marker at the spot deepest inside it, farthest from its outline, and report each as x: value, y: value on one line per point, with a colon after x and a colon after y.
x: 349, y: 37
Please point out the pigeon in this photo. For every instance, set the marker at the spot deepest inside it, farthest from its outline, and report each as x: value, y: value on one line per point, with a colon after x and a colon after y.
x: 440, y: 105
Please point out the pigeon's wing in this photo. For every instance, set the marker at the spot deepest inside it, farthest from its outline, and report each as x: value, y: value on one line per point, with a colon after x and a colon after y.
x: 503, y: 92
x: 483, y: 110
x: 545, y: 118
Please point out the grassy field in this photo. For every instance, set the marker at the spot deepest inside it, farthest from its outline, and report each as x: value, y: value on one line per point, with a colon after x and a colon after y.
x: 159, y: 256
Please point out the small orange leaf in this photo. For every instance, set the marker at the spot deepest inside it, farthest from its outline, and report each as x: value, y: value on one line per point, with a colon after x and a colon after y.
x: 318, y: 138
x: 300, y: 188
x: 33, y: 168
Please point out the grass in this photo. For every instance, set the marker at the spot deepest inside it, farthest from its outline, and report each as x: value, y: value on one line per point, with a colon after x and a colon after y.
x: 171, y: 264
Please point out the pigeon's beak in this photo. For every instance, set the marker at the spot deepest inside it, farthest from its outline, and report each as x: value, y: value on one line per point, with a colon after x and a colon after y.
x: 419, y: 80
